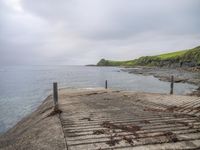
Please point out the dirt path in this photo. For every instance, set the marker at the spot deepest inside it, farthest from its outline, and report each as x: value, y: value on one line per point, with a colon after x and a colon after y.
x: 101, y: 119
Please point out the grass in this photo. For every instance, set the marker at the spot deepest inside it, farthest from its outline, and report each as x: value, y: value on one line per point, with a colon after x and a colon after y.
x: 184, y: 56
x: 172, y: 55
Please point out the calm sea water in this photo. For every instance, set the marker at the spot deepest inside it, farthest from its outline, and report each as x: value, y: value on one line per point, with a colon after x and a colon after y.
x: 23, y: 88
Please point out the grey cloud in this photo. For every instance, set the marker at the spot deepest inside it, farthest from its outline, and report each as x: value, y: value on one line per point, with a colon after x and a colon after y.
x: 102, y: 19
x: 81, y: 32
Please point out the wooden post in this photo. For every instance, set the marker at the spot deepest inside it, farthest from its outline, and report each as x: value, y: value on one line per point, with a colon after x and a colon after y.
x: 55, y: 95
x: 106, y: 84
x: 172, y: 85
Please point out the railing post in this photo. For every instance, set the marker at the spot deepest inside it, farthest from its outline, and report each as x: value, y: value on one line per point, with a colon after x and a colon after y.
x: 106, y: 84
x: 172, y: 85
x: 55, y: 95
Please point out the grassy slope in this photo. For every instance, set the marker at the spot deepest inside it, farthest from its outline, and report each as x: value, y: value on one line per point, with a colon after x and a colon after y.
x: 172, y: 55
x: 192, y: 55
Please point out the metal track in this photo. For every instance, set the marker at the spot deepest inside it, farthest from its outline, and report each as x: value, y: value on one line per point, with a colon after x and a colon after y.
x: 111, y: 120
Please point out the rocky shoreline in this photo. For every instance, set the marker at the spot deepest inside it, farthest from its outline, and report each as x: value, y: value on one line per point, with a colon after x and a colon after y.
x: 164, y: 74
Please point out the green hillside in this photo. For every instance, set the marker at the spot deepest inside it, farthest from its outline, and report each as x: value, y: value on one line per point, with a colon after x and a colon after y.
x: 188, y: 58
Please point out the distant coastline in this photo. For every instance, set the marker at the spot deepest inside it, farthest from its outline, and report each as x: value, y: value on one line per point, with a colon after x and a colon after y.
x: 185, y: 58
x: 184, y: 65
x: 91, y: 65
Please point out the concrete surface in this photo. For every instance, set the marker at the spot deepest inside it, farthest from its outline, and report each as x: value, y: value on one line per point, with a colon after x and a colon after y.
x: 109, y: 119
x: 100, y: 119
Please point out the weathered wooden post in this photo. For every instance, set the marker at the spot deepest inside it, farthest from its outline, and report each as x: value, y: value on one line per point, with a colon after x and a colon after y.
x: 172, y: 85
x: 106, y: 84
x: 55, y: 95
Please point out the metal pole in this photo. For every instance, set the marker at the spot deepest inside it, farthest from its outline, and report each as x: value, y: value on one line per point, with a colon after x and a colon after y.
x: 55, y: 95
x: 106, y: 84
x: 172, y: 85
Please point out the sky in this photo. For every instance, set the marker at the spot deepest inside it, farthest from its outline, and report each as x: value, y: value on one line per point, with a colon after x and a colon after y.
x: 79, y: 32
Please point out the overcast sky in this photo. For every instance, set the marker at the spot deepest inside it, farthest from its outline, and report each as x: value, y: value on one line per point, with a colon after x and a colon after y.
x: 67, y: 32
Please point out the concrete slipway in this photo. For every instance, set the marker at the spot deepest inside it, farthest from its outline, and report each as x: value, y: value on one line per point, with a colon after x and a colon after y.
x: 100, y: 119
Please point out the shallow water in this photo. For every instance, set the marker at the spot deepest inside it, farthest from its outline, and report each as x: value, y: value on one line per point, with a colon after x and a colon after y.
x: 23, y: 88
